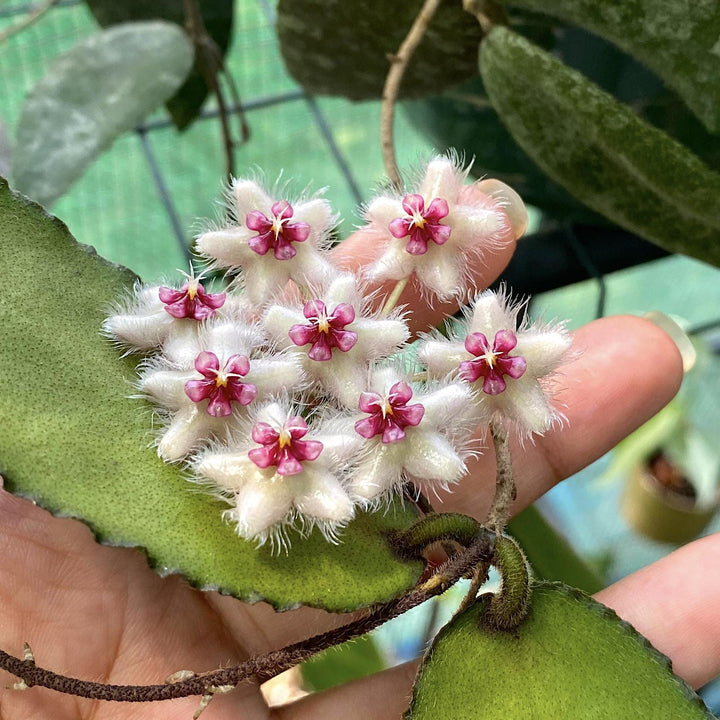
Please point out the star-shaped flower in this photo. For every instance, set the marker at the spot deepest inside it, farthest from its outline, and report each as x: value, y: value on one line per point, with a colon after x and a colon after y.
x: 437, y: 231
x: 342, y: 333
x: 511, y: 367
x: 204, y: 386
x: 279, y: 473
x: 151, y: 314
x: 423, y: 435
x: 270, y: 239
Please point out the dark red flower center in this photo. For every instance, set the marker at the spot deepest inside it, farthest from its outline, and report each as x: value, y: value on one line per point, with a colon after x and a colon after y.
x: 283, y: 447
x: 492, y: 363
x: 221, y: 385
x: 277, y: 232
x: 325, y: 331
x: 389, y: 416
x: 420, y: 224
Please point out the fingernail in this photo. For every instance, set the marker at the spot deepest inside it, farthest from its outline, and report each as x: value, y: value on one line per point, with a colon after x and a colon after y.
x: 681, y: 339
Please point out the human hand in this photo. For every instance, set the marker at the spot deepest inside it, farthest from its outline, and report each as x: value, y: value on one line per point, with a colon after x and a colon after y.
x: 101, y: 613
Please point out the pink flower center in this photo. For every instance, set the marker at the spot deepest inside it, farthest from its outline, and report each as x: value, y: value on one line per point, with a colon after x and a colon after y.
x: 420, y: 224
x: 283, y: 447
x: 325, y: 331
x: 191, y: 300
x: 221, y: 385
x: 389, y: 416
x: 492, y: 363
x: 277, y: 232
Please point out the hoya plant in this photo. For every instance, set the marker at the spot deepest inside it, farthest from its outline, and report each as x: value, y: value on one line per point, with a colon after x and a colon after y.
x: 294, y: 428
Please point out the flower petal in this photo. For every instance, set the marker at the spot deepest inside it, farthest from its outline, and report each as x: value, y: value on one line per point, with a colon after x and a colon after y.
x: 226, y: 248
x: 324, y: 498
x: 261, y: 504
x: 432, y: 458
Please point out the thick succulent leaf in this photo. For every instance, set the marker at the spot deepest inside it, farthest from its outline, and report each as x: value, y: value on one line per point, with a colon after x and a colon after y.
x: 335, y: 47
x: 600, y: 151
x: 102, y: 87
x: 678, y: 40
x: 550, y: 554
x: 572, y: 658
x: 73, y: 441
x: 217, y: 16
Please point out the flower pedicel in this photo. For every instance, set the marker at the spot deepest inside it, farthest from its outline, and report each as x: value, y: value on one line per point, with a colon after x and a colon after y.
x: 288, y: 394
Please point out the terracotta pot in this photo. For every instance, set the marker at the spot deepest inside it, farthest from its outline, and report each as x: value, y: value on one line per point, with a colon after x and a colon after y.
x: 661, y: 514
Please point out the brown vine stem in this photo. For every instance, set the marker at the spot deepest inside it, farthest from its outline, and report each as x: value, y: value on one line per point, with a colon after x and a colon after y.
x: 488, y: 13
x: 398, y: 65
x: 505, y: 490
x: 32, y: 17
x: 210, y: 63
x: 505, y: 493
x: 265, y: 666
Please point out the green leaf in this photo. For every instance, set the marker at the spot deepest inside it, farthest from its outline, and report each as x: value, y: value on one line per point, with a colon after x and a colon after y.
x: 572, y: 658
x: 217, y: 16
x: 600, y: 151
x: 342, y: 664
x: 678, y: 40
x: 102, y: 87
x: 335, y: 47
x: 73, y: 441
x: 550, y: 554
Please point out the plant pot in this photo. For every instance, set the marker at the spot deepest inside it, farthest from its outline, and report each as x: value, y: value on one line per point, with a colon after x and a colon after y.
x: 661, y: 513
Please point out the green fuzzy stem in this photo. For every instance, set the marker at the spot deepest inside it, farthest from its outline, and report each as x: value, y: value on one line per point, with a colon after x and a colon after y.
x: 509, y: 606
x: 441, y: 527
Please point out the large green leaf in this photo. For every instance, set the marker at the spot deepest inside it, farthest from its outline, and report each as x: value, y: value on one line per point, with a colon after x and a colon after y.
x: 678, y: 40
x: 600, y: 151
x: 217, y: 16
x: 72, y: 440
x: 102, y: 87
x: 336, y: 47
x: 550, y: 554
x: 572, y: 658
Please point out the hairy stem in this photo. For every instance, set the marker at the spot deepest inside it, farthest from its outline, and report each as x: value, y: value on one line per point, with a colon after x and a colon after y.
x: 265, y: 666
x: 509, y: 606
x: 398, y: 65
x: 505, y: 490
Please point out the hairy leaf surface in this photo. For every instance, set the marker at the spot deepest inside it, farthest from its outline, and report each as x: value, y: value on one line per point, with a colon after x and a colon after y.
x: 680, y: 41
x: 600, y: 151
x: 572, y: 658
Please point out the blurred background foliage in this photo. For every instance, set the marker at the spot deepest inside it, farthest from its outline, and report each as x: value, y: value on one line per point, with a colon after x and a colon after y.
x: 292, y: 108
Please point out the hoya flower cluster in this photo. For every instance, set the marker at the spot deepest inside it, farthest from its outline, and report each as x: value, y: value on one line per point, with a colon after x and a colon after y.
x: 290, y: 392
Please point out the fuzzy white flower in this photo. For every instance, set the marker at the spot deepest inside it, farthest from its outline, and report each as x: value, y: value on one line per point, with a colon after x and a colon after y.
x: 511, y: 367
x: 405, y: 434
x: 436, y: 231
x: 280, y: 473
x: 205, y: 383
x: 335, y: 335
x: 151, y: 314
x: 270, y: 240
